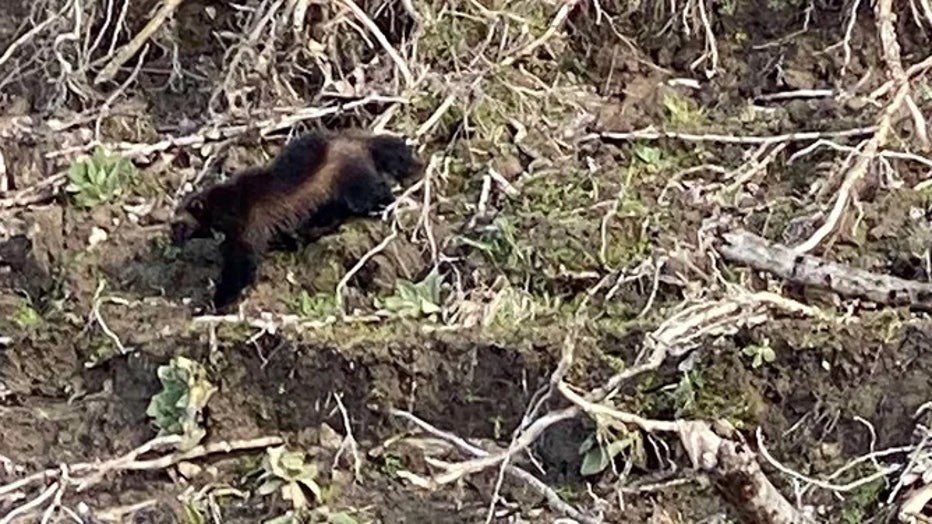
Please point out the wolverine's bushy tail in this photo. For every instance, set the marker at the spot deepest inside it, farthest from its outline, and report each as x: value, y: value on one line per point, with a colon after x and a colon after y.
x: 393, y: 157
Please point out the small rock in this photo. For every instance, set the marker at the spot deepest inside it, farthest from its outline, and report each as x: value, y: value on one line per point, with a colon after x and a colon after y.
x: 97, y: 236
x: 188, y: 470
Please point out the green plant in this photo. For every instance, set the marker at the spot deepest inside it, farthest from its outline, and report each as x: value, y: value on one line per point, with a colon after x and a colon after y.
x: 728, y: 7
x: 25, y: 317
x: 101, y: 178
x: 391, y: 464
x: 177, y: 408
x: 760, y: 353
x: 286, y: 471
x: 415, y: 300
x: 598, y: 454
x: 682, y: 110
x: 314, y: 306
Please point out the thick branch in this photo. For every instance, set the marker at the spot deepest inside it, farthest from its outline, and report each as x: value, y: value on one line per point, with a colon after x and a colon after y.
x: 761, y: 254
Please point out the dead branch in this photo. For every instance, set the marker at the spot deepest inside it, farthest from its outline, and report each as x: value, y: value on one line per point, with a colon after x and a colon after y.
x: 553, y: 498
x: 737, y: 474
x: 673, y: 337
x: 801, y: 136
x: 729, y: 462
x: 127, y: 51
x: 86, y: 474
x: 763, y: 255
x: 891, y: 55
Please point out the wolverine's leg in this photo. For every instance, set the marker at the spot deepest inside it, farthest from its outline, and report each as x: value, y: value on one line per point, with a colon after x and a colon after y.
x: 240, y: 266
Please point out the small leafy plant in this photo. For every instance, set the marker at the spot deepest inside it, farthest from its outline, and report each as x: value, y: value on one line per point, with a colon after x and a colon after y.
x: 177, y: 408
x: 99, y: 179
x: 761, y: 353
x: 317, y: 305
x: 598, y: 454
x: 415, y: 300
x: 286, y: 471
x: 25, y: 317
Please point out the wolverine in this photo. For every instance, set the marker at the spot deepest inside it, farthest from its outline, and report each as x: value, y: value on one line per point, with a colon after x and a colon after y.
x: 320, y: 178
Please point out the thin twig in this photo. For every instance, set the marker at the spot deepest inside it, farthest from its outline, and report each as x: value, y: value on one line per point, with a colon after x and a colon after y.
x: 553, y: 498
x: 132, y: 47
x: 801, y: 136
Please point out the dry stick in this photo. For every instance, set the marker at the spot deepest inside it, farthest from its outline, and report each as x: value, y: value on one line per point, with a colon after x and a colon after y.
x: 31, y: 505
x: 679, y: 329
x: 128, y: 462
x: 761, y: 254
x: 566, y: 361
x: 383, y: 41
x: 341, y: 285
x: 731, y: 464
x: 891, y: 55
x: 911, y: 71
x: 553, y: 498
x: 130, y: 49
x: 672, y: 333
x: 552, y: 29
x: 204, y: 135
x: 48, y: 186
x: 881, y: 473
x: 158, y: 442
x: 801, y: 136
x: 26, y: 37
x: 856, y: 173
x: 457, y: 471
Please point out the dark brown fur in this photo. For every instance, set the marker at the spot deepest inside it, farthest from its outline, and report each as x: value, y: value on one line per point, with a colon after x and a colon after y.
x: 317, y: 180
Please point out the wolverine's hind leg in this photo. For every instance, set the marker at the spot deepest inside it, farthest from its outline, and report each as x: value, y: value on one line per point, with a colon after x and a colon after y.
x: 240, y: 266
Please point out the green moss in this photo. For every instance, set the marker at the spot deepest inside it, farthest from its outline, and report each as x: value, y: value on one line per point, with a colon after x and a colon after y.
x: 26, y: 317
x: 718, y: 392
x: 858, y: 505
x: 683, y: 113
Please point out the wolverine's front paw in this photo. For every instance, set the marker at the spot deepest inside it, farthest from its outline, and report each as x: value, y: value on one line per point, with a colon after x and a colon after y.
x: 224, y: 302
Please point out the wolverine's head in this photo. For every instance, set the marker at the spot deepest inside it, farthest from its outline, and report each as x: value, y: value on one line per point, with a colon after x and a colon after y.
x: 393, y: 157
x: 190, y: 220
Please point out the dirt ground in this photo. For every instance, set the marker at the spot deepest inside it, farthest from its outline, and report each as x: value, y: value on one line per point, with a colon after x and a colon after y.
x: 543, y: 231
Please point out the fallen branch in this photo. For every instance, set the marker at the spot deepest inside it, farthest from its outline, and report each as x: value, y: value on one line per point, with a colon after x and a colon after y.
x: 730, y: 463
x: 802, y: 136
x: 86, y: 474
x: 763, y: 255
x: 673, y: 337
x: 891, y: 55
x: 132, y: 47
x: 553, y: 498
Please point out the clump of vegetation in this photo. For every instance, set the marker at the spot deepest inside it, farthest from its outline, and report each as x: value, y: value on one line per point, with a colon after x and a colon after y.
x: 601, y: 448
x: 318, y: 305
x: 760, y: 353
x: 177, y: 409
x: 420, y: 300
x: 25, y: 317
x: 100, y: 179
x: 287, y: 471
